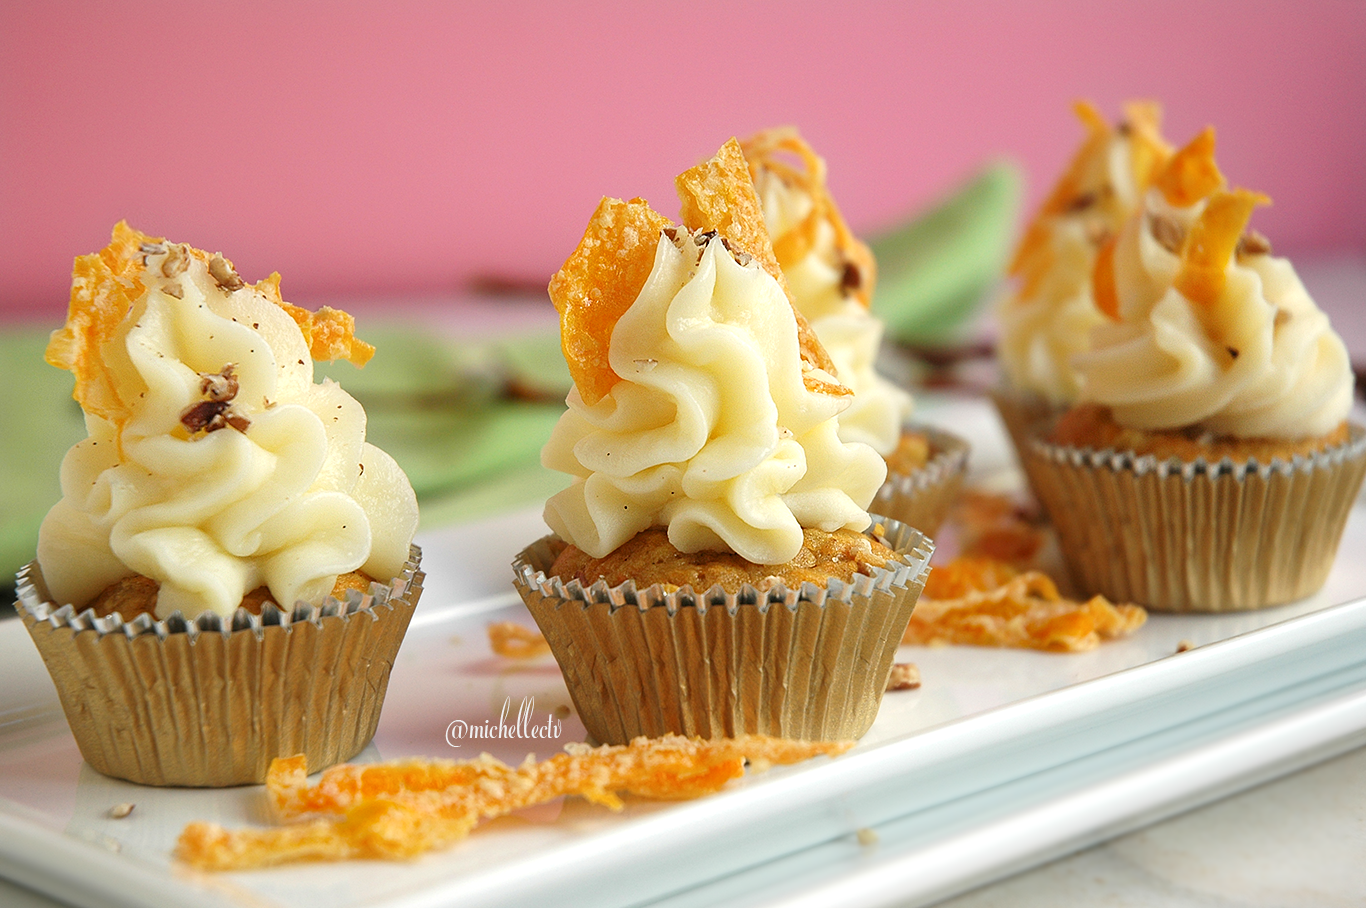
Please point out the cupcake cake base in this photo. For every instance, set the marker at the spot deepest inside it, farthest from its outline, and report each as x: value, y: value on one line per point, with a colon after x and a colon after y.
x: 210, y: 702
x: 806, y: 663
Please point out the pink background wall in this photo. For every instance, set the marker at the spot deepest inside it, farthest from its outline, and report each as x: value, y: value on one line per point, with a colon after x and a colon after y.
x: 383, y: 149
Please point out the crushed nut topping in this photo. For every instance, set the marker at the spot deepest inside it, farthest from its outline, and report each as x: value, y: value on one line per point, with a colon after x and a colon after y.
x: 223, y: 274
x: 851, y: 278
x: 904, y: 676
x: 1082, y: 202
x: 215, y: 411
x: 220, y: 386
x: 1168, y: 233
x: 176, y: 261
x: 119, y: 811
x: 174, y: 289
x: 1253, y: 243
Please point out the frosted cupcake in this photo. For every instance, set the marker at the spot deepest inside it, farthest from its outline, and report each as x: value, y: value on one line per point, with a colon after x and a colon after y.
x: 1048, y: 317
x: 709, y: 572
x: 229, y: 572
x: 832, y: 275
x: 1209, y: 465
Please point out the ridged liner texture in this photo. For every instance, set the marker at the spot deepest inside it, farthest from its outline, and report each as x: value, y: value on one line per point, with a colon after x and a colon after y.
x: 809, y: 663
x: 922, y: 498
x: 210, y: 702
x: 1196, y: 536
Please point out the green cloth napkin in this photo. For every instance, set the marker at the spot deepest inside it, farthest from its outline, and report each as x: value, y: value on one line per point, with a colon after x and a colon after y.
x: 40, y: 422
x: 455, y: 416
x: 937, y: 268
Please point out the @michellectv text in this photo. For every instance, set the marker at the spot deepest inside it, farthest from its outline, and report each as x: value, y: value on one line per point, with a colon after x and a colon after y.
x: 524, y: 726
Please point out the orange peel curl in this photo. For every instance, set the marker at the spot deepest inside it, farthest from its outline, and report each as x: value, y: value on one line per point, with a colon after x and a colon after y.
x: 1211, y: 242
x: 786, y: 154
x: 403, y: 808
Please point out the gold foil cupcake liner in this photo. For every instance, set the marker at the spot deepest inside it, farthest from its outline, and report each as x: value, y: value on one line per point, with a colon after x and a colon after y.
x: 803, y: 663
x: 210, y: 702
x: 1196, y: 536
x: 922, y: 498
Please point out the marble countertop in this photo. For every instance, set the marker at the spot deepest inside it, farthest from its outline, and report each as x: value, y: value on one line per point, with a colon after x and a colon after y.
x: 1293, y: 843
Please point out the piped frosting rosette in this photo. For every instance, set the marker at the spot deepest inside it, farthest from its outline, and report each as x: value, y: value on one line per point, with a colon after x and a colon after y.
x: 1208, y: 339
x: 216, y: 472
x: 704, y: 403
x: 832, y: 276
x: 1048, y: 316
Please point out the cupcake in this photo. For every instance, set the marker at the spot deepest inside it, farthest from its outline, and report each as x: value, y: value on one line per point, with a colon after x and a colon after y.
x: 709, y: 572
x: 832, y: 275
x: 229, y: 572
x: 1209, y: 464
x: 1048, y: 317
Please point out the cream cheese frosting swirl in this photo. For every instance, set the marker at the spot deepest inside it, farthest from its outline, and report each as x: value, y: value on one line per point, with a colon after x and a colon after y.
x: 1243, y: 352
x: 821, y: 288
x: 226, y: 468
x: 711, y: 430
x: 1048, y: 319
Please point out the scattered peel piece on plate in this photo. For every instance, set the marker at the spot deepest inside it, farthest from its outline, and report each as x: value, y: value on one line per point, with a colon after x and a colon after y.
x: 515, y: 641
x: 996, y: 605
x: 996, y: 526
x: 404, y: 808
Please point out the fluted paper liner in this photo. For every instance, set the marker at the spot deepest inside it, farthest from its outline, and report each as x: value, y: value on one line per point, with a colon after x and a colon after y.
x: 1198, y: 536
x: 922, y: 499
x: 210, y: 702
x: 808, y: 663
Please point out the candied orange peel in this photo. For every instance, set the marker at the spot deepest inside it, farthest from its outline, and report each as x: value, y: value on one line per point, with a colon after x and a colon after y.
x: 993, y: 604
x: 719, y: 195
x: 515, y: 641
x: 106, y: 285
x: 599, y: 282
x: 1211, y: 243
x: 607, y: 270
x: 783, y: 152
x: 1087, y: 180
x: 403, y: 808
x: 1191, y: 174
x: 1104, y: 289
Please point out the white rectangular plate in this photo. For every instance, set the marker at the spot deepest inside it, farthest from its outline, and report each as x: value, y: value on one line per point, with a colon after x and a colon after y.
x: 1003, y: 758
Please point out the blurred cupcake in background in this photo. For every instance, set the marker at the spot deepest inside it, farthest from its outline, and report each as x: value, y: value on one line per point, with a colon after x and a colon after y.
x: 1209, y: 464
x: 1048, y: 318
x: 832, y: 275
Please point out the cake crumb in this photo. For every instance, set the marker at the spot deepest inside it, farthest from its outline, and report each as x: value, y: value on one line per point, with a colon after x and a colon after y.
x: 867, y: 837
x: 904, y: 676
x: 1185, y: 646
x: 119, y: 811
